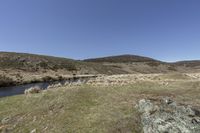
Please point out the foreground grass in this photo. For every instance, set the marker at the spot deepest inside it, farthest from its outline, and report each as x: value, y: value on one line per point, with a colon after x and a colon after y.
x: 88, y: 109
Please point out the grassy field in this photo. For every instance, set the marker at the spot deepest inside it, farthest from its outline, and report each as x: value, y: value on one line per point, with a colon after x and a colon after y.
x: 89, y: 109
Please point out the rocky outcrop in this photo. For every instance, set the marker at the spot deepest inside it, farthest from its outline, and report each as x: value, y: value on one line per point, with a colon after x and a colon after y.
x: 165, y: 116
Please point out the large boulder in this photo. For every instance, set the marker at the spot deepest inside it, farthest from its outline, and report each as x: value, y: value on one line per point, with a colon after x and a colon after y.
x: 165, y: 116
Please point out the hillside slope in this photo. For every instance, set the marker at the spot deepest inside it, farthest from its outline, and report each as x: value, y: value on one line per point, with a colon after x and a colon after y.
x: 140, y: 64
x: 106, y: 65
x: 32, y: 62
x: 23, y: 67
x: 122, y: 59
x: 20, y: 68
x: 36, y: 63
x: 135, y: 64
x: 191, y: 63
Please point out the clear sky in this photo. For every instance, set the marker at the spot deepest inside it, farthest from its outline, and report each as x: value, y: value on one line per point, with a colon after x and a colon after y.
x: 168, y: 30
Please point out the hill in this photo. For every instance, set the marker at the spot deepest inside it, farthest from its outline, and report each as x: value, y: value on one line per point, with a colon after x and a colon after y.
x: 108, y: 65
x: 134, y: 64
x: 190, y: 63
x: 141, y: 64
x: 32, y: 62
x: 122, y: 59
x: 36, y: 63
x: 25, y: 68
x: 20, y: 68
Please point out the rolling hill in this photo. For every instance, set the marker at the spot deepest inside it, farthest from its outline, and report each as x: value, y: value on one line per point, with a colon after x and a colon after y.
x: 122, y: 59
x: 105, y: 65
x: 33, y: 62
x: 24, y: 67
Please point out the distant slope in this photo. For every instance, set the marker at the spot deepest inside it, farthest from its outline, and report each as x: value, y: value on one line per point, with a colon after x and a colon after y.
x: 134, y: 64
x: 34, y: 62
x: 191, y: 63
x: 26, y: 62
x: 122, y: 59
x: 140, y: 64
x: 20, y: 68
x: 122, y: 64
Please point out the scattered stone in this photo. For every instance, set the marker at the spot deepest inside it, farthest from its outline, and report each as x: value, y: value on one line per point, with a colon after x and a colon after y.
x: 166, y: 116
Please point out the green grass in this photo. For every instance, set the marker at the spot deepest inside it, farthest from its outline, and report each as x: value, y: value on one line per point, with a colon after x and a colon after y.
x: 88, y: 109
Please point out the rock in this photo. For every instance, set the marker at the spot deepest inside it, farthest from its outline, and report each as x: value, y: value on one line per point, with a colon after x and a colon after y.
x: 166, y: 116
x: 33, y: 131
x: 145, y: 106
x: 34, y: 118
x: 32, y: 90
x: 167, y: 100
x: 190, y: 112
x: 57, y: 85
x: 197, y: 112
x: 5, y: 120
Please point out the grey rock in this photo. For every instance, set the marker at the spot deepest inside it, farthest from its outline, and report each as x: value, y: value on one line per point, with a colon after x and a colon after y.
x: 166, y: 116
x: 145, y: 106
x: 33, y: 131
x: 32, y: 90
x: 5, y: 120
x: 167, y: 100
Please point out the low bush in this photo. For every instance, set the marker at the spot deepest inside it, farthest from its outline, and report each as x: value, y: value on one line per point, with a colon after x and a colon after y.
x: 48, y: 79
x: 6, y: 81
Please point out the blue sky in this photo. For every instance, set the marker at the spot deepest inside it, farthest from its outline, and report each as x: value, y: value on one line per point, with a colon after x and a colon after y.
x: 168, y: 30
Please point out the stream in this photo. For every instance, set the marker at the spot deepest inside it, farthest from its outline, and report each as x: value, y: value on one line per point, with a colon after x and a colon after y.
x: 17, y: 90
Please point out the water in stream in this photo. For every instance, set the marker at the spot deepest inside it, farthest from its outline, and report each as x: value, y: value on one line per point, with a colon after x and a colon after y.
x: 16, y: 90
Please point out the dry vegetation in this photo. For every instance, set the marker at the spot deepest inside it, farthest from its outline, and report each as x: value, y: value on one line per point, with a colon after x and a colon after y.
x: 12, y: 77
x: 100, y: 108
x: 105, y: 104
x: 26, y: 68
x: 6, y: 81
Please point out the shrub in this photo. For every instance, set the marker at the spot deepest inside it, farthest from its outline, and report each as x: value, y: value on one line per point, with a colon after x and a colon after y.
x: 153, y: 64
x: 6, y: 81
x: 60, y: 78
x: 43, y: 65
x: 172, y: 68
x: 48, y: 79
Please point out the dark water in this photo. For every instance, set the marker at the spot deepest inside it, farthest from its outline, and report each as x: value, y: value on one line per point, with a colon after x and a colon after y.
x: 16, y: 90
